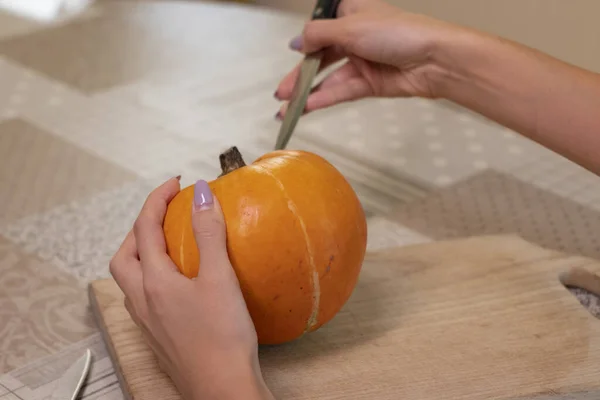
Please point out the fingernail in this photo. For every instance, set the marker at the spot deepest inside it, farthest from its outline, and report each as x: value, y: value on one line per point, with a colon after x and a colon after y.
x: 276, y: 95
x: 178, y: 177
x: 278, y: 116
x: 296, y: 43
x: 203, y: 198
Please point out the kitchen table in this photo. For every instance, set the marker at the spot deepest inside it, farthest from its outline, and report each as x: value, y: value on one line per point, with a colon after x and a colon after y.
x: 98, y: 109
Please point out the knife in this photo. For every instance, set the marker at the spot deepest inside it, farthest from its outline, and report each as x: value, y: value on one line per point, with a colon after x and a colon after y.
x: 70, y: 383
x: 324, y: 9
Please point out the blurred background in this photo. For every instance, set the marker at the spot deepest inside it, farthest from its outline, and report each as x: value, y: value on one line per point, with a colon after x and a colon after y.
x: 101, y: 101
x: 550, y: 25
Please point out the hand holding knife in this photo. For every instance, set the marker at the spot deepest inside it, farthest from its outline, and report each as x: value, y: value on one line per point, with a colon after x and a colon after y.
x: 324, y: 9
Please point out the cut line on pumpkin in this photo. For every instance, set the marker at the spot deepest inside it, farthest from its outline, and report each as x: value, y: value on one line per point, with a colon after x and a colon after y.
x: 316, y: 285
x: 181, y: 261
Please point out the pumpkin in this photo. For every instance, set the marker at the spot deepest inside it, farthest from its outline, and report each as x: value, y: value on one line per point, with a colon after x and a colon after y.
x: 296, y: 238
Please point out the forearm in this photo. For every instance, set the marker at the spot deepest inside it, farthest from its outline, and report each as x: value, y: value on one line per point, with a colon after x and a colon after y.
x: 542, y: 98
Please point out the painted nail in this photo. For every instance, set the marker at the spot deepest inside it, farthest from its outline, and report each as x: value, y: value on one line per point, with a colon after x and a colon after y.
x: 276, y: 95
x: 203, y: 198
x: 278, y: 116
x: 296, y: 43
x: 178, y: 177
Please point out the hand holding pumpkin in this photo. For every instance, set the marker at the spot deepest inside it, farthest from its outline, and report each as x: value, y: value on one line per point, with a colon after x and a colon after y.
x: 207, y: 280
x: 199, y: 329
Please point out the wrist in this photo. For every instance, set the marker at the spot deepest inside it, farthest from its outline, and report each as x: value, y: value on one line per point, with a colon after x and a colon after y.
x: 235, y: 383
x: 253, y: 387
x: 454, y: 61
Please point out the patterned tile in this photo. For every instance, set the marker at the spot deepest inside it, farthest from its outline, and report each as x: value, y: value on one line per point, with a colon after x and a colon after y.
x: 88, y: 55
x: 82, y: 236
x: 424, y: 139
x: 39, y: 171
x: 496, y: 203
x: 12, y: 25
x: 24, y: 90
x: 131, y: 141
x: 85, y: 54
x: 130, y: 41
x: 41, y: 308
x: 129, y: 135
x: 208, y: 92
x: 35, y: 380
x: 562, y: 177
x: 383, y: 234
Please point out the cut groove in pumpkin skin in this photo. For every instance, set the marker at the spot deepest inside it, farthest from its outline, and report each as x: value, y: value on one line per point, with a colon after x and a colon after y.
x: 181, y: 260
x: 316, y: 287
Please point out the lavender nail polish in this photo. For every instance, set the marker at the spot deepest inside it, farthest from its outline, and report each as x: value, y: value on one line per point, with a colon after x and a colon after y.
x: 296, y: 43
x: 203, y: 198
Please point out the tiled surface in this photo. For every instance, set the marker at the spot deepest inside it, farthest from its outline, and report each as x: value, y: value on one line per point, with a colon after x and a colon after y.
x: 560, y: 176
x: 67, y: 57
x: 13, y: 25
x: 497, y: 203
x: 427, y: 141
x: 39, y: 171
x: 96, y: 111
x: 26, y: 91
x: 88, y: 55
x: 41, y: 308
x: 80, y: 237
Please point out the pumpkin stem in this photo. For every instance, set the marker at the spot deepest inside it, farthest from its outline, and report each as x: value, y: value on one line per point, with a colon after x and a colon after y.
x: 231, y: 159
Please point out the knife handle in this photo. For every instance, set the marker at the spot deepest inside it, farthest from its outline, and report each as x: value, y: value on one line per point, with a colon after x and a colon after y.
x: 326, y: 9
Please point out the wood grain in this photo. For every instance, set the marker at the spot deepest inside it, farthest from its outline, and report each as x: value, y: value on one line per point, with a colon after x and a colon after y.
x: 476, y: 318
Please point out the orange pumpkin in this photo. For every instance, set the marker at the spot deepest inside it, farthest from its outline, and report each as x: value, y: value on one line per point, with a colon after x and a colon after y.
x: 296, y: 237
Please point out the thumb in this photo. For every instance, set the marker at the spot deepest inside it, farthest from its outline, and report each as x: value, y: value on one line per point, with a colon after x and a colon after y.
x: 320, y: 34
x: 208, y: 224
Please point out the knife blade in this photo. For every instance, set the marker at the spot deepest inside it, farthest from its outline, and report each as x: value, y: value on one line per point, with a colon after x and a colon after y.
x: 324, y: 9
x: 70, y: 383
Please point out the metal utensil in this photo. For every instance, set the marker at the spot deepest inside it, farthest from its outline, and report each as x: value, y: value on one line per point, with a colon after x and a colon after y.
x: 70, y: 383
x: 324, y: 9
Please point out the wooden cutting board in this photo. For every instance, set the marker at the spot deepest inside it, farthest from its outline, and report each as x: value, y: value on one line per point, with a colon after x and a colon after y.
x: 476, y: 318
